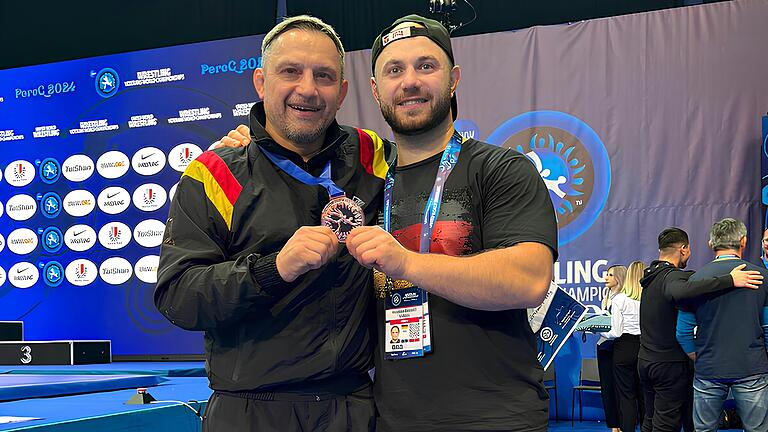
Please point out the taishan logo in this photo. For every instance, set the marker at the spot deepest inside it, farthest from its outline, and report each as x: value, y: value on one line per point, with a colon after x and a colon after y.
x: 571, y: 159
x: 116, y: 271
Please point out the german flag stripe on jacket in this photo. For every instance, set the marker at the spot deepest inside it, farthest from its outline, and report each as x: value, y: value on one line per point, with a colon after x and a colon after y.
x: 221, y: 187
x: 372, y: 155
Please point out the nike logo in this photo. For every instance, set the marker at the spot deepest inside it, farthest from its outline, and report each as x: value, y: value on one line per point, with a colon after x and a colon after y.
x: 110, y: 196
x: 22, y: 270
x: 149, y: 155
x: 77, y: 234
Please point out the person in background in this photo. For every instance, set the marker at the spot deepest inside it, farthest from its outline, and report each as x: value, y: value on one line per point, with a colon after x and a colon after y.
x: 764, y: 255
x: 666, y: 373
x: 625, y: 329
x: 730, y: 345
x: 614, y: 281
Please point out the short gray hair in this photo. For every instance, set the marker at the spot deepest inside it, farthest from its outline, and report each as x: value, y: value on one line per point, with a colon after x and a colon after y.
x: 727, y: 234
x: 306, y: 23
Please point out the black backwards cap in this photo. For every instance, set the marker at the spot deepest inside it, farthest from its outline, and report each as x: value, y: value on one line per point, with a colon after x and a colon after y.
x: 432, y: 29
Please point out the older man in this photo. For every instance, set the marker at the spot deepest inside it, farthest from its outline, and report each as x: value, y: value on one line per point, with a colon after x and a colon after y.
x: 731, y: 343
x: 251, y: 251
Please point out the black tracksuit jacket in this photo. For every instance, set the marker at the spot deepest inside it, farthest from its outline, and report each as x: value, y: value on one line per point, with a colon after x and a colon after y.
x: 232, y: 213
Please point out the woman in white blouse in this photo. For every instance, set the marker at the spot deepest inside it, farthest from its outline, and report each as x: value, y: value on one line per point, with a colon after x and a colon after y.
x: 614, y: 280
x: 625, y: 329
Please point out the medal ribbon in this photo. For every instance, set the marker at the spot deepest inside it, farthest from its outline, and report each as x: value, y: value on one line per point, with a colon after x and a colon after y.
x: 299, y: 174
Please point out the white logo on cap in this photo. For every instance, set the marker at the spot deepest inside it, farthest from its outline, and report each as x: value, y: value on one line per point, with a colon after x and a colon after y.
x: 21, y: 207
x: 112, y: 164
x: 182, y: 155
x: 22, y: 241
x: 19, y: 173
x: 149, y: 197
x: 81, y: 272
x: 80, y: 238
x: 23, y: 275
x: 149, y: 233
x: 79, y: 202
x: 115, y: 235
x: 115, y: 271
x: 77, y: 168
x: 148, y: 161
x: 146, y: 268
x: 114, y: 200
x: 395, y: 35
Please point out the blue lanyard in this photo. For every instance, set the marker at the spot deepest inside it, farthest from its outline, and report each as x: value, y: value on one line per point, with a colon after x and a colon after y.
x: 447, y: 163
x: 299, y: 174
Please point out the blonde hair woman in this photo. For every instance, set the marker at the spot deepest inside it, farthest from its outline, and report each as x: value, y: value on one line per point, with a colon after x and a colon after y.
x: 614, y: 281
x: 625, y: 328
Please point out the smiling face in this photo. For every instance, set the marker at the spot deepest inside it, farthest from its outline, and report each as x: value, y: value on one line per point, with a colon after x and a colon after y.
x: 302, y: 87
x: 413, y: 83
x: 610, y: 280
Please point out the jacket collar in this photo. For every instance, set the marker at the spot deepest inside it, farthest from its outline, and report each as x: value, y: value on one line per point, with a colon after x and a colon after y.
x: 334, y: 136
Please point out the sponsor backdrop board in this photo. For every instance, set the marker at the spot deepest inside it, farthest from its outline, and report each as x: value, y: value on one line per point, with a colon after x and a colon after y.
x: 91, y: 151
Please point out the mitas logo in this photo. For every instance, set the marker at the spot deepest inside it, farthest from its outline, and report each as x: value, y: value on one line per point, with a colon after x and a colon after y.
x: 149, y: 197
x: 149, y: 233
x: 80, y: 238
x: 2, y: 242
x: 148, y: 161
x: 19, y: 173
x: 23, y: 275
x: 81, y: 272
x: 114, y: 200
x: 115, y: 235
x: 21, y: 207
x: 182, y: 155
x: 570, y: 158
x: 79, y: 202
x: 115, y: 271
x: 22, y: 241
x: 112, y: 164
x: 146, y: 269
x: 77, y: 168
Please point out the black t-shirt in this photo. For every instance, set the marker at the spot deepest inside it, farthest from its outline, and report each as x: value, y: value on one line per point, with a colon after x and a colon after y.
x: 483, y: 373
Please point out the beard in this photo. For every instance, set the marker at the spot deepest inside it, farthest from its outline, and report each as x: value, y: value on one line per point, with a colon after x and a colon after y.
x: 403, y: 125
x: 304, y: 135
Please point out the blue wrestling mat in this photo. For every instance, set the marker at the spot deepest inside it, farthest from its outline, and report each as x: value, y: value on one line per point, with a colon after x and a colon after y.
x: 165, y: 369
x: 19, y: 386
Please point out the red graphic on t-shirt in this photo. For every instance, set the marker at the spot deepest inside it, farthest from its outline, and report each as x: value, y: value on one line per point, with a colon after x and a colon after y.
x: 448, y: 237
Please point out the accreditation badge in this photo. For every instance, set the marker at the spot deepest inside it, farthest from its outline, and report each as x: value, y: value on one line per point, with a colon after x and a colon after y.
x: 427, y: 328
x: 404, y: 323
